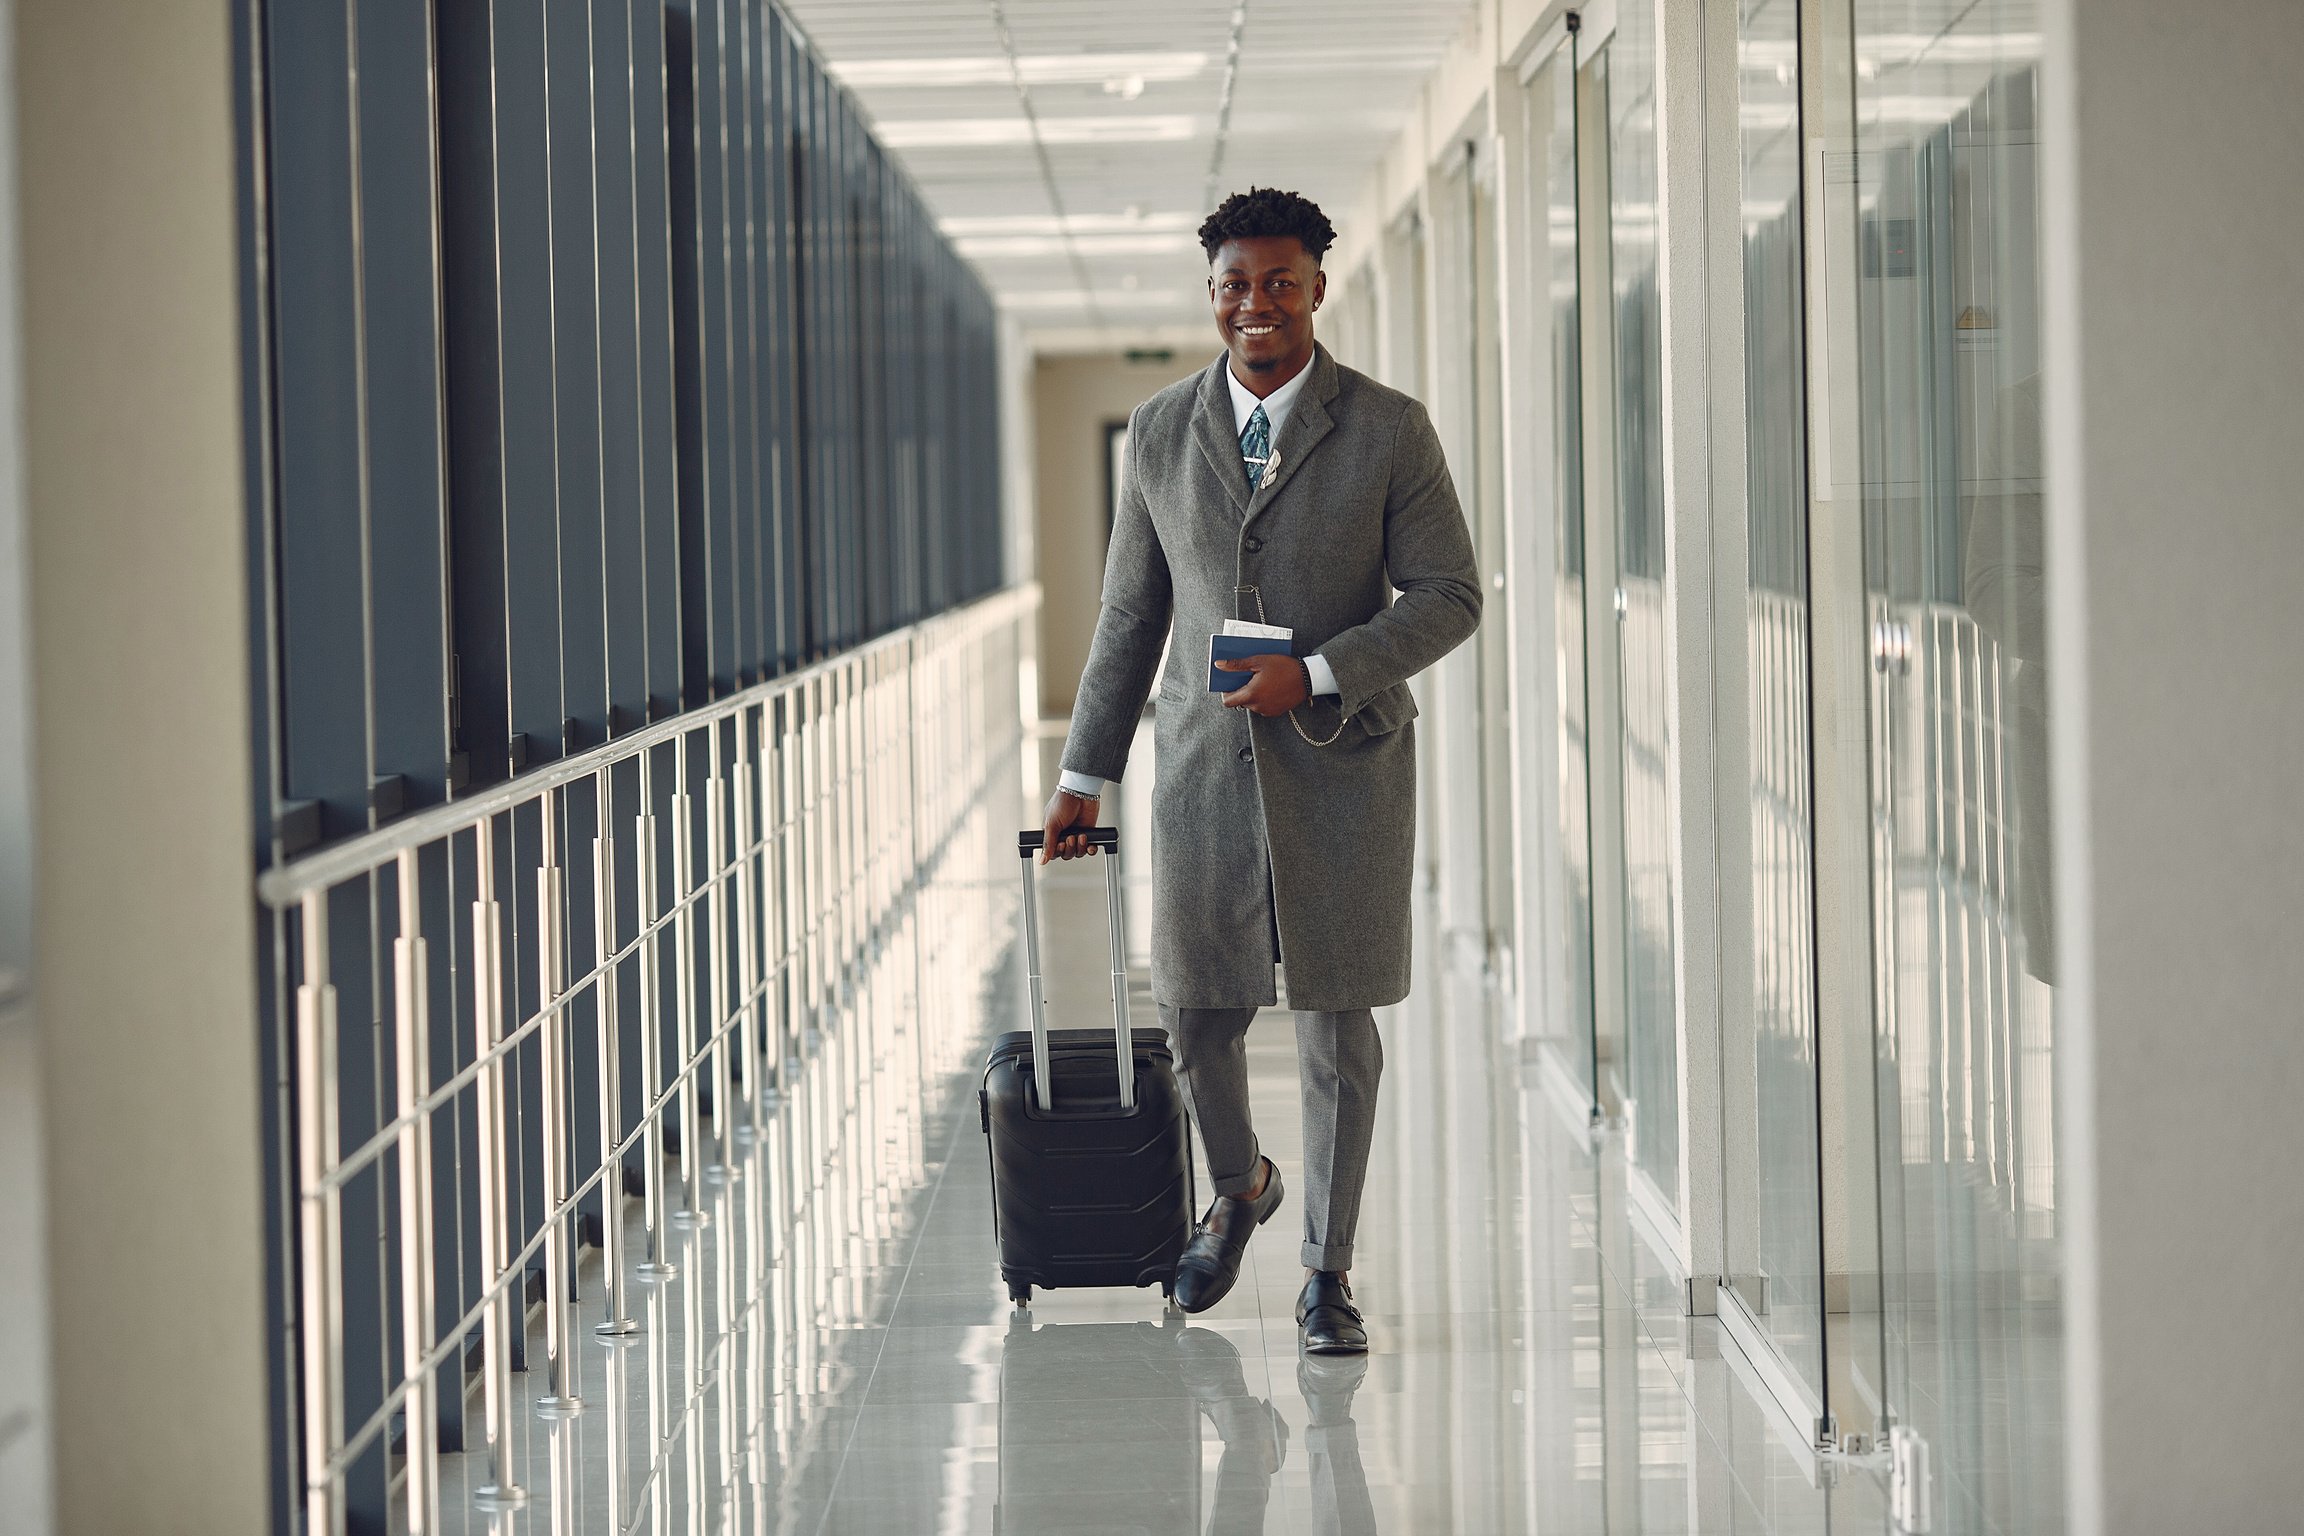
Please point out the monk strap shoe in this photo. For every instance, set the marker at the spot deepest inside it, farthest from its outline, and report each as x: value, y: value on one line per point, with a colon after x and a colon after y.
x: 1211, y: 1260
x: 1331, y: 1324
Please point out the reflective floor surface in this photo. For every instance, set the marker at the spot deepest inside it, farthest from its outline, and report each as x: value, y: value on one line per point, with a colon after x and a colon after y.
x: 836, y: 1353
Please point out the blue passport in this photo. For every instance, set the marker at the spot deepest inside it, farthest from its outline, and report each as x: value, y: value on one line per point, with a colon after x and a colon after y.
x: 1239, y: 648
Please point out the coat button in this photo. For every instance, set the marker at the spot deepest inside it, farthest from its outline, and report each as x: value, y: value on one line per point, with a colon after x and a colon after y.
x: 1252, y: 544
x: 1247, y: 754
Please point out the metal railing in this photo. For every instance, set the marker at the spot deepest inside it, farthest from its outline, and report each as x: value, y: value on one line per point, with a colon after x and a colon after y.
x: 768, y: 845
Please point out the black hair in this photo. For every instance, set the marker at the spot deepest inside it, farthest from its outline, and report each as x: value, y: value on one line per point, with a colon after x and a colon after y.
x: 1267, y: 212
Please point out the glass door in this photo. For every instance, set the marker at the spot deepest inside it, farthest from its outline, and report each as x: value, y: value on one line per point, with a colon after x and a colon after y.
x: 1566, y: 1010
x: 1626, y: 71
x: 1773, y: 1164
x: 1946, y: 271
x: 1571, y: 609
x: 1486, y: 353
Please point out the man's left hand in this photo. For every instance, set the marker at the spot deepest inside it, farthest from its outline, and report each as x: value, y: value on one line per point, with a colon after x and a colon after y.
x: 1278, y: 685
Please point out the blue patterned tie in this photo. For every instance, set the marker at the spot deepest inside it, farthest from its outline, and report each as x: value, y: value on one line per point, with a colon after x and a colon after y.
x: 1255, y: 446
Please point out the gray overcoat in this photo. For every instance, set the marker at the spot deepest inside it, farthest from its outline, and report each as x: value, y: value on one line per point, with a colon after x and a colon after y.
x: 1359, y: 504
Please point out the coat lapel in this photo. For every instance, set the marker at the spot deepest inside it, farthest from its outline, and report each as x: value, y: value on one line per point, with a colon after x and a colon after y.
x: 1305, y: 427
x: 1212, y: 430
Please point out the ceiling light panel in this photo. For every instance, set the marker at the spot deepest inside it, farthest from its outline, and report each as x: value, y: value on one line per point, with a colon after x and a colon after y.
x: 1324, y: 86
x: 1037, y: 69
x: 984, y: 132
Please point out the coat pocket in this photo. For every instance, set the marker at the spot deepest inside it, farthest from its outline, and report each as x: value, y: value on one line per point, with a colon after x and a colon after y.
x: 1387, y: 710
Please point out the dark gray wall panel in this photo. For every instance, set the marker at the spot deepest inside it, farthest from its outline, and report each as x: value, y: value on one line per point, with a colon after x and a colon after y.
x: 400, y: 296
x: 525, y: 343
x: 574, y: 295
x: 622, y: 507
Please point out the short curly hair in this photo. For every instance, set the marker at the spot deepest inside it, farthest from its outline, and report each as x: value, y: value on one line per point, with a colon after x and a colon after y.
x: 1267, y: 212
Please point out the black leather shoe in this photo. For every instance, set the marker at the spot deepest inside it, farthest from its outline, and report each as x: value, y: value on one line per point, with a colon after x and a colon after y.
x: 1330, y: 1322
x: 1211, y: 1260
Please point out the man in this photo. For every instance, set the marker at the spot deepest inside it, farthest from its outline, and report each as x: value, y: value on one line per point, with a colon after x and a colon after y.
x: 1275, y: 486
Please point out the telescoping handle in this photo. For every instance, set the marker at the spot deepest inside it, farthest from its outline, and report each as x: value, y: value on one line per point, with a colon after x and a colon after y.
x: 1108, y: 840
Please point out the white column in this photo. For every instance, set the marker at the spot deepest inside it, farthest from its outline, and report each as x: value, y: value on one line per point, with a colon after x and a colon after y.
x: 145, y: 944
x: 2175, y: 585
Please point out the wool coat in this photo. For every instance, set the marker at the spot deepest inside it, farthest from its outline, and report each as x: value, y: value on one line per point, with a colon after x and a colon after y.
x: 1253, y: 828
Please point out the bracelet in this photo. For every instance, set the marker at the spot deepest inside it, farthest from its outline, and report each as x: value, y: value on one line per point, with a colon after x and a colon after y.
x: 1305, y: 667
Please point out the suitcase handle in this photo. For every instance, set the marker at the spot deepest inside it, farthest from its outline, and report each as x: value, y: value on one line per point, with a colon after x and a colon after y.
x: 1123, y: 1036
x: 1098, y: 837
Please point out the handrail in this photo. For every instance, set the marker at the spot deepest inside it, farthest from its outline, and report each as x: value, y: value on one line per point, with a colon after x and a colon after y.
x: 282, y: 886
x: 793, y: 882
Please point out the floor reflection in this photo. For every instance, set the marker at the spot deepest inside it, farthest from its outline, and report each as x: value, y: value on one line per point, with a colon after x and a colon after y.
x: 836, y: 1355
x: 1142, y: 1468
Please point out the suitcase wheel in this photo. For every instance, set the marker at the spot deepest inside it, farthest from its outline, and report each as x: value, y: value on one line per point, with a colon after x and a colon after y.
x: 1020, y: 1294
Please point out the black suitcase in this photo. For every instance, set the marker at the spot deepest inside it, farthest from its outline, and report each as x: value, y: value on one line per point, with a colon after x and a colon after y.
x: 1091, y: 1166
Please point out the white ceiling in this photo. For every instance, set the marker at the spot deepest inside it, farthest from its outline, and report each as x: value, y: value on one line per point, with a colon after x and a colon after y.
x: 1076, y: 192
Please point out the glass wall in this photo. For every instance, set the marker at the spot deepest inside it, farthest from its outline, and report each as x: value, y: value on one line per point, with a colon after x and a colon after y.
x: 1650, y: 1087
x: 1550, y: 107
x: 1947, y: 273
x: 1774, y: 1216
x: 1499, y: 890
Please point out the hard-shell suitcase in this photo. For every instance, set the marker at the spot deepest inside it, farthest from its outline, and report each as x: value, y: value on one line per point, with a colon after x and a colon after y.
x: 1091, y: 1154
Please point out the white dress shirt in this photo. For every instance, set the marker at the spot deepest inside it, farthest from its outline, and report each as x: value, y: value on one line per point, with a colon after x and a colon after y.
x: 1276, y: 405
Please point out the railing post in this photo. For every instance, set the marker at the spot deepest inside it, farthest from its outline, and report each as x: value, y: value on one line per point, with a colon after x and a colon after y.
x: 789, y: 911
x: 691, y: 1212
x: 619, y: 1321
x: 319, y: 1226
x: 551, y: 979
x: 496, y: 1319
x: 412, y: 1026
x: 716, y: 876
x: 658, y: 1265
x: 748, y: 925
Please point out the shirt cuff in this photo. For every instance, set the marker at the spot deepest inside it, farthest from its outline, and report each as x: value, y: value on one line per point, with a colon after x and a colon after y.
x: 1081, y: 784
x: 1323, y: 676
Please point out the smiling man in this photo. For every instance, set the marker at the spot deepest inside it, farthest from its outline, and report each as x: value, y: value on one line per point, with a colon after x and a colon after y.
x: 1281, y: 488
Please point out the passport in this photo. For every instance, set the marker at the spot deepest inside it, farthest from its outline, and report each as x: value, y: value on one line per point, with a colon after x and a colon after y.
x: 1240, y: 648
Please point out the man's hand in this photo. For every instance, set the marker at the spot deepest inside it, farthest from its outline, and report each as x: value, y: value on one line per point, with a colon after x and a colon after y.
x: 1278, y: 686
x: 1071, y: 814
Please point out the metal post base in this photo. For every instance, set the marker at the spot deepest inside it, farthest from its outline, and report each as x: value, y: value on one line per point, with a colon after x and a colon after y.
x: 490, y: 1497
x: 655, y: 1269
x: 617, y: 1327
x: 690, y: 1219
x: 559, y: 1407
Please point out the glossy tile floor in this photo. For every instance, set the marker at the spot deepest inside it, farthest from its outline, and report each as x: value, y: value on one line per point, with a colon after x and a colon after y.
x: 837, y: 1355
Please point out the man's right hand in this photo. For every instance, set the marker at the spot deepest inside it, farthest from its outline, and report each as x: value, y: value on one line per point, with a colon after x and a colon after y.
x: 1064, y: 834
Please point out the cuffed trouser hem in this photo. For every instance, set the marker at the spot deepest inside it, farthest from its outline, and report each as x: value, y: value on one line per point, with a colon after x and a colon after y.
x: 1237, y: 1185
x: 1340, y: 1061
x: 1212, y: 1069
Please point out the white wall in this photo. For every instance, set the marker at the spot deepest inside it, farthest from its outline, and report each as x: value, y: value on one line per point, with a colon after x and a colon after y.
x: 145, y: 941
x: 2176, y: 500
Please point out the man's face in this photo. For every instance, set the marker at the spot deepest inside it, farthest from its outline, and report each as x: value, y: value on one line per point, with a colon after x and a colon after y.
x: 1264, y: 291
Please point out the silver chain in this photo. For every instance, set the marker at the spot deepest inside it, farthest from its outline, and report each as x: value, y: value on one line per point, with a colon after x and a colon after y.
x: 1309, y: 738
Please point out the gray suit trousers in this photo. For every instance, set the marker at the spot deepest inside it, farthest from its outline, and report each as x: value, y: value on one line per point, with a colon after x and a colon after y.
x: 1339, y: 1062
